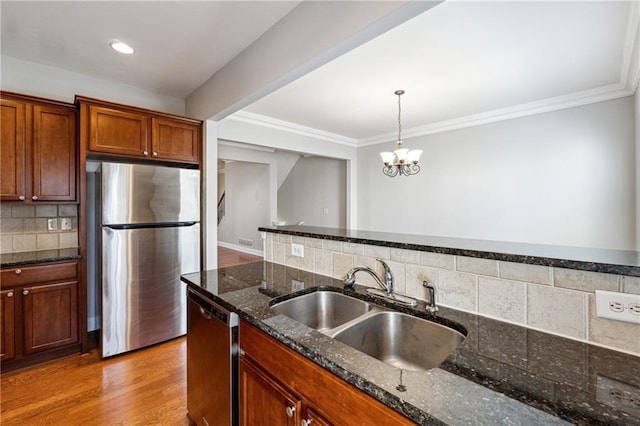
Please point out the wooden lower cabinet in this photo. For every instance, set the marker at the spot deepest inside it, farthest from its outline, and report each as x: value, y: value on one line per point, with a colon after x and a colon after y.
x: 40, y: 313
x: 50, y: 314
x: 7, y: 333
x: 264, y: 401
x: 281, y: 387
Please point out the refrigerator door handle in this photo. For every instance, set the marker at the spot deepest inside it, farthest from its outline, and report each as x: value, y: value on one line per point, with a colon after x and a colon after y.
x: 150, y: 225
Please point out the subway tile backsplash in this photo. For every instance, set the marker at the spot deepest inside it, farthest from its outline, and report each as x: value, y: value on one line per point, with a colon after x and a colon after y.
x: 554, y: 300
x: 24, y: 227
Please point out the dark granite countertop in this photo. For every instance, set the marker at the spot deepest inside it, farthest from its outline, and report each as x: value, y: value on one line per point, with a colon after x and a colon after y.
x: 500, y: 374
x: 11, y: 260
x: 623, y: 262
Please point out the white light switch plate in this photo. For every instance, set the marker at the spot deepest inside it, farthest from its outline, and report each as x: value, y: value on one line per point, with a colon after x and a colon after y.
x: 618, y: 306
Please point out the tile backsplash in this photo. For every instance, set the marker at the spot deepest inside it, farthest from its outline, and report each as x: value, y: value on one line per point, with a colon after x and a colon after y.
x: 23, y: 227
x: 555, y: 300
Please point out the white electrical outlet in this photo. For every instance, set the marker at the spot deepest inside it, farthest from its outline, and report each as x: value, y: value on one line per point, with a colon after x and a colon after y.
x: 297, y: 250
x: 52, y: 224
x: 618, y: 395
x: 65, y: 224
x: 618, y: 306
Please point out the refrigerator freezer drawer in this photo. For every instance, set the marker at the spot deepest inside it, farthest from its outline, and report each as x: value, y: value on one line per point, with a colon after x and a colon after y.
x: 143, y: 299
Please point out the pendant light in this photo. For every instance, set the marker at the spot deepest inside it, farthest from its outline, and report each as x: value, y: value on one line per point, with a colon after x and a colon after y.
x: 401, y: 161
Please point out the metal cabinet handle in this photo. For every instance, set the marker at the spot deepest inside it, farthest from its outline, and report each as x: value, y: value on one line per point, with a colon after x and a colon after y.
x: 34, y: 198
x: 21, y: 198
x: 10, y: 294
x: 146, y: 153
x: 290, y: 411
x: 18, y: 271
x: 25, y: 292
x: 204, y: 313
x: 306, y: 422
x: 155, y: 154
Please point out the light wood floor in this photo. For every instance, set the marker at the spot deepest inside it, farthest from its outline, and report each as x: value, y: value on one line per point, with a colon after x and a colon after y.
x: 145, y: 387
x: 228, y: 257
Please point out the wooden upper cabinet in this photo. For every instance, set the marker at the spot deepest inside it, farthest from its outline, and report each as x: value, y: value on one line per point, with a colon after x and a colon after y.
x: 175, y: 140
x: 118, y: 132
x: 111, y: 129
x: 12, y: 150
x: 39, y: 150
x: 54, y: 153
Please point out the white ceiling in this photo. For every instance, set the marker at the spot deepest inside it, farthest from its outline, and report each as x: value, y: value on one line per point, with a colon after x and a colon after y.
x: 458, y: 61
x: 179, y: 44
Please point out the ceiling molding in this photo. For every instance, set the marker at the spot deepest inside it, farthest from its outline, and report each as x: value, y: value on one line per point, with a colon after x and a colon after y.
x: 273, y: 123
x: 245, y: 146
x: 601, y: 94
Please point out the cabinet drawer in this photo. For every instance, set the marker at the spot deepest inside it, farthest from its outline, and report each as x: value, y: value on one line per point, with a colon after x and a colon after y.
x: 37, y: 274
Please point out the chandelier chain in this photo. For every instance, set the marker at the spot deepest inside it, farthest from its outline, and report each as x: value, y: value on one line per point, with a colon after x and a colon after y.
x: 399, y: 121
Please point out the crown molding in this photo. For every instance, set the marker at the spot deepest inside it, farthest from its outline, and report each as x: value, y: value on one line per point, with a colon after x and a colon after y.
x: 627, y: 86
x: 242, y: 145
x: 286, y: 126
x: 600, y: 94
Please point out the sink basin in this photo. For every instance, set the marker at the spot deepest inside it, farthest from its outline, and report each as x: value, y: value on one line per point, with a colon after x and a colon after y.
x: 322, y: 310
x: 401, y: 340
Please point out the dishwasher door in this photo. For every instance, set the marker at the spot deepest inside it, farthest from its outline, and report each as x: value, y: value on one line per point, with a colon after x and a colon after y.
x: 212, y: 362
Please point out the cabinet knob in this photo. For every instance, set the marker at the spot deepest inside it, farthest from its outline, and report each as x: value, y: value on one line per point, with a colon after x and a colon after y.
x: 306, y: 422
x: 21, y: 198
x: 155, y: 154
x: 35, y: 197
x: 25, y: 292
x: 18, y: 271
x: 10, y: 294
x: 146, y: 153
x: 290, y: 411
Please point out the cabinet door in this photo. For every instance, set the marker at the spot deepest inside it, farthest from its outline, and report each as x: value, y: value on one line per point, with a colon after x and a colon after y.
x: 54, y: 154
x: 12, y: 150
x: 7, y: 331
x: 311, y: 418
x: 118, y: 132
x: 50, y: 316
x: 264, y: 402
x: 173, y: 140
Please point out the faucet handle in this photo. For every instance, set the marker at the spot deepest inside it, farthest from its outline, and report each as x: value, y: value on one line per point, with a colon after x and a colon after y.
x: 431, y: 291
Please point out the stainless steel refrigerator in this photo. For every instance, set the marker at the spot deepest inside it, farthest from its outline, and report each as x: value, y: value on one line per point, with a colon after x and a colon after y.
x: 150, y: 221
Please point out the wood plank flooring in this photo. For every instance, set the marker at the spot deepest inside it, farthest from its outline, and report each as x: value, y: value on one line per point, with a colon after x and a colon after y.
x: 145, y: 387
x: 228, y: 257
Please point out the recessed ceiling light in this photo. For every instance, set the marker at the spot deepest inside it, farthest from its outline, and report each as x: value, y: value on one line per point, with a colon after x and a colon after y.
x: 121, y: 47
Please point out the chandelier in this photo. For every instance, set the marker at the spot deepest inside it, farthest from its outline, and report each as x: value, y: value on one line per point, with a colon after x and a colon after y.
x: 401, y: 161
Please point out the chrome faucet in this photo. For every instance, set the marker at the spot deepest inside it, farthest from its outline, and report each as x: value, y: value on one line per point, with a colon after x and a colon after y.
x: 386, y: 285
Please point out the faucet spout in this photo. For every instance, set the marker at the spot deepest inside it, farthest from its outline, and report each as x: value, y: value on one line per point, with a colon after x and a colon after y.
x: 386, y: 284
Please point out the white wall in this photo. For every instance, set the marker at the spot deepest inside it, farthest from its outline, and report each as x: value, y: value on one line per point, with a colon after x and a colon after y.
x: 241, y: 131
x: 314, y: 192
x: 565, y: 177
x: 55, y: 83
x: 637, y: 117
x: 247, y: 203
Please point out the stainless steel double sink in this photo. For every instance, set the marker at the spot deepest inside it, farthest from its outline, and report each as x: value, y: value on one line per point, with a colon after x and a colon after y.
x: 401, y: 340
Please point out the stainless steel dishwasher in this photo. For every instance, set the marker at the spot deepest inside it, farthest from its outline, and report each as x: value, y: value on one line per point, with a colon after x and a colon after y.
x: 212, y: 362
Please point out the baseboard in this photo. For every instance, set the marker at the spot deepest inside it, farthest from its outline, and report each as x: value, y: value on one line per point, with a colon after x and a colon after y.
x: 241, y: 248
